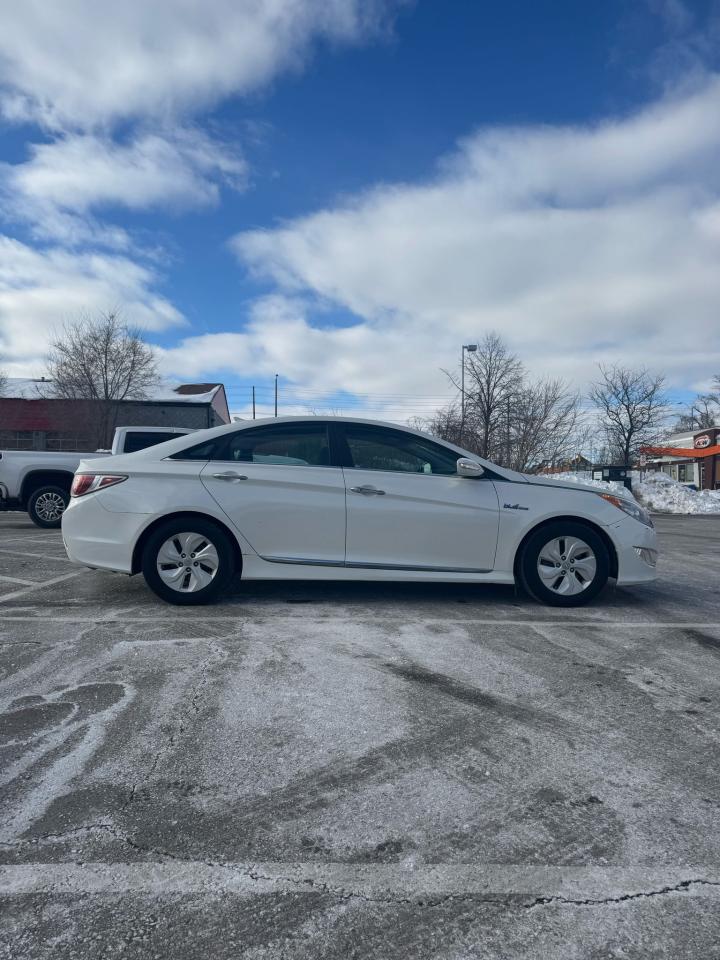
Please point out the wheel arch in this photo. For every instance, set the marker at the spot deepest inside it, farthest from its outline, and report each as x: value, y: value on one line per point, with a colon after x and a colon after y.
x: 612, y: 552
x: 44, y: 478
x: 189, y: 514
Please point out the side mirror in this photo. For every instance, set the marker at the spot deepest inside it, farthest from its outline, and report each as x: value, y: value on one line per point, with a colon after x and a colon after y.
x: 469, y: 468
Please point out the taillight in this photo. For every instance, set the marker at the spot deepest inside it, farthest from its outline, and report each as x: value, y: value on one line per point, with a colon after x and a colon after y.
x: 90, y: 482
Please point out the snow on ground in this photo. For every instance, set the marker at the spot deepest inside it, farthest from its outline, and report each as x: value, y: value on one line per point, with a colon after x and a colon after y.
x: 656, y: 491
x: 659, y: 492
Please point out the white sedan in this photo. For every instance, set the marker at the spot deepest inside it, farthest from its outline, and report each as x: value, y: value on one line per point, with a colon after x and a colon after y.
x: 333, y: 498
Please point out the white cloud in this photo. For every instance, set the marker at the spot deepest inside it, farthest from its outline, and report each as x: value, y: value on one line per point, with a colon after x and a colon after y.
x: 39, y: 290
x: 81, y: 63
x: 66, y: 180
x: 578, y: 244
x: 82, y: 171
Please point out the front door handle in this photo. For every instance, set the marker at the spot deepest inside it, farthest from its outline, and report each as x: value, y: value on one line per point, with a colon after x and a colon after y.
x: 368, y: 491
x: 229, y: 476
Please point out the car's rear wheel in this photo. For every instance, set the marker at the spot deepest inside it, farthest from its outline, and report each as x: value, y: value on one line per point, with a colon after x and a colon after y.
x: 564, y: 564
x: 188, y: 561
x: 47, y: 505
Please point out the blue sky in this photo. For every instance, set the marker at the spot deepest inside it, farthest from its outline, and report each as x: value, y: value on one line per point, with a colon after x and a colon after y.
x: 343, y: 192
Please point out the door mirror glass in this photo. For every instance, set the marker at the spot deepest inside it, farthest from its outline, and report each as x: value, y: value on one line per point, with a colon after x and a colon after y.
x: 469, y: 468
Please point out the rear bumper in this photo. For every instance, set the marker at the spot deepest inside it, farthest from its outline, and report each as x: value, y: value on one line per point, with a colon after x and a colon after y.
x: 95, y: 537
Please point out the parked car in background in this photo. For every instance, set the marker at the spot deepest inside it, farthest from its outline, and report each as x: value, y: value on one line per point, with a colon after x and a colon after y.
x: 334, y: 498
x: 39, y: 481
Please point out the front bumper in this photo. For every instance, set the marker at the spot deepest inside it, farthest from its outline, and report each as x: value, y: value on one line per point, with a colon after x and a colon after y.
x: 635, y: 544
x: 95, y: 537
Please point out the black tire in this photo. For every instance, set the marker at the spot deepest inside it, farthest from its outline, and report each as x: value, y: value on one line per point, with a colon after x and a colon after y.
x: 208, y: 531
x: 44, y: 504
x: 590, y: 587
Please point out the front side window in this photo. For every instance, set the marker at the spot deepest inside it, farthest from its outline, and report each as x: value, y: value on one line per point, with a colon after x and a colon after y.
x: 302, y: 446
x: 376, y: 448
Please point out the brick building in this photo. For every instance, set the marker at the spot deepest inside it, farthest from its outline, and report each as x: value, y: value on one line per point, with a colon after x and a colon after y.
x: 31, y: 419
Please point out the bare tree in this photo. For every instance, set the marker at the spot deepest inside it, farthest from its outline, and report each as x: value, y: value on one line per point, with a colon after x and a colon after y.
x: 545, y: 425
x: 492, y: 376
x: 715, y: 392
x: 100, y: 358
x: 3, y: 383
x: 509, y: 418
x: 633, y: 408
x: 702, y: 413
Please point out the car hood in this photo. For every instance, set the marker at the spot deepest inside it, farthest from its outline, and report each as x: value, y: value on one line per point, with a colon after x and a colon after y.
x: 573, y: 485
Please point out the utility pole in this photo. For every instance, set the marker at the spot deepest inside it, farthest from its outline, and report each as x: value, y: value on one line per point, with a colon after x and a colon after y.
x: 253, y: 402
x: 276, y: 381
x: 471, y: 348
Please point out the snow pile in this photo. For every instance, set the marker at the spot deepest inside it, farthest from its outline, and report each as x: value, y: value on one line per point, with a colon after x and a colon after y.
x: 662, y: 494
x: 584, y: 479
x: 656, y: 491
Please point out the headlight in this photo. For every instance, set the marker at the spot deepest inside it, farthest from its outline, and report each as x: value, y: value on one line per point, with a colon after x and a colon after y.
x: 629, y: 507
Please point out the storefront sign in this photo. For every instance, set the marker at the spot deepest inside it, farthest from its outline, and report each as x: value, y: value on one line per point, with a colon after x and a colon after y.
x: 702, y: 441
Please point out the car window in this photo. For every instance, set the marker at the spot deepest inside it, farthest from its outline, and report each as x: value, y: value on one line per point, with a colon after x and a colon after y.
x: 141, y: 441
x: 201, y: 451
x: 302, y: 446
x: 375, y: 448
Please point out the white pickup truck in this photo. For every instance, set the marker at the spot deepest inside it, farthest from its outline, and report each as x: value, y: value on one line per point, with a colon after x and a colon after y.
x: 39, y: 481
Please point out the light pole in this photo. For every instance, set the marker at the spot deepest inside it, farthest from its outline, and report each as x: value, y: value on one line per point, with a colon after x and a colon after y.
x: 507, y: 437
x: 471, y: 348
x: 276, y: 380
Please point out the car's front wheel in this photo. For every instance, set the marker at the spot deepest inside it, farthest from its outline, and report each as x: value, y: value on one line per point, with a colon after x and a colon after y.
x: 188, y: 561
x: 564, y: 564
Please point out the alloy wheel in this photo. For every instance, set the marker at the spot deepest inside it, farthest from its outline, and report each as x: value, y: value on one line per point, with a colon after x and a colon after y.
x: 49, y: 507
x: 567, y: 565
x: 187, y: 562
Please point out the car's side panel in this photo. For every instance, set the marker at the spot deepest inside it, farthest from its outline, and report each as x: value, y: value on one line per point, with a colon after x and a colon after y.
x: 102, y: 528
x: 441, y: 522
x: 255, y: 568
x: 524, y: 506
x: 289, y: 513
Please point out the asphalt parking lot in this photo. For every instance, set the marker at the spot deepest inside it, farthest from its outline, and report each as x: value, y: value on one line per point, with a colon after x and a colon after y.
x: 371, y: 771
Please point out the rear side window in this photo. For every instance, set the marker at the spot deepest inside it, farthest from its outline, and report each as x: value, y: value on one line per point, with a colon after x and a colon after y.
x: 305, y: 445
x: 376, y: 448
x: 202, y: 451
x: 142, y: 440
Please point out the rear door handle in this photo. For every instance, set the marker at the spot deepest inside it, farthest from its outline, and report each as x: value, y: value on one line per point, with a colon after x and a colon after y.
x: 229, y: 476
x: 368, y: 491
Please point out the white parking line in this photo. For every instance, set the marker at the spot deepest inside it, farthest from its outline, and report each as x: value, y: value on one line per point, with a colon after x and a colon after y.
x: 39, y: 586
x: 42, y: 539
x: 160, y: 615
x: 39, y: 556
x: 582, y: 886
x: 28, y: 583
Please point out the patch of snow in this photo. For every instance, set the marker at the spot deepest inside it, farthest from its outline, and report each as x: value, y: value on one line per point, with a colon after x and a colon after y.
x: 662, y: 494
x: 19, y: 388
x: 656, y: 491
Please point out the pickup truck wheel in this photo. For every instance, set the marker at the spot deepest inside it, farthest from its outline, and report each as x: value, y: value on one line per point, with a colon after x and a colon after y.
x: 47, y: 505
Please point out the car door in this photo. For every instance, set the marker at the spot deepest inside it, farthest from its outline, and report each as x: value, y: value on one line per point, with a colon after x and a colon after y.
x: 277, y: 485
x: 408, y: 509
